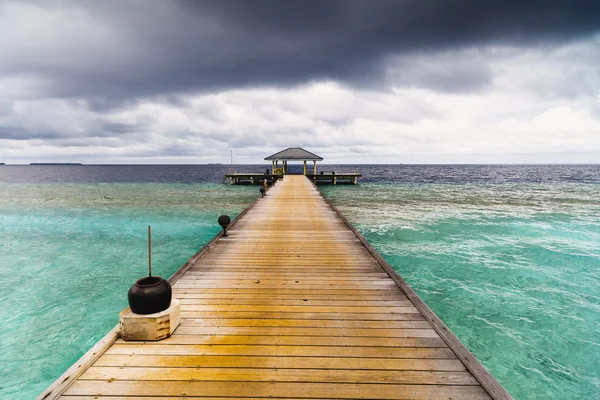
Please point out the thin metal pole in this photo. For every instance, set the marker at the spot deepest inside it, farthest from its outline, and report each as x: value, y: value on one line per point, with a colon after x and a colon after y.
x: 149, y: 252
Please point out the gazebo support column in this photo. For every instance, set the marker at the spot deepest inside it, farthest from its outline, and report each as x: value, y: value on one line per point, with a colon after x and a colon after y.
x: 293, y: 154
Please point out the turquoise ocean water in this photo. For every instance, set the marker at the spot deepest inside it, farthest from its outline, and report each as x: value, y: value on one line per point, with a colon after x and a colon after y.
x: 69, y: 253
x: 513, y: 269
x: 508, y: 257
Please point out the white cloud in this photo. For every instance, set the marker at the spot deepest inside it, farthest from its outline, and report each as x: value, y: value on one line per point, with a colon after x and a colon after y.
x: 539, y: 101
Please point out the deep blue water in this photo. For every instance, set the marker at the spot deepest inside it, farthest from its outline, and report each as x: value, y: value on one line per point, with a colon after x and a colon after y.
x: 371, y: 173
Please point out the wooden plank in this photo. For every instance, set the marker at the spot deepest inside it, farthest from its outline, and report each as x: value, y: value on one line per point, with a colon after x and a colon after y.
x: 282, y: 351
x: 415, y: 316
x: 279, y: 375
x: 294, y: 331
x: 223, y: 276
x: 191, y: 308
x: 294, y: 302
x: 274, y: 340
x: 284, y: 285
x: 307, y: 323
x: 266, y: 295
x: 262, y: 276
x: 294, y: 282
x: 259, y: 292
x: 170, y: 398
x: 276, y: 389
x: 399, y: 364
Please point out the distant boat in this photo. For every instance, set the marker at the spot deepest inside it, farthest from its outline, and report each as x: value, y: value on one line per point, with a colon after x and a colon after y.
x: 49, y: 163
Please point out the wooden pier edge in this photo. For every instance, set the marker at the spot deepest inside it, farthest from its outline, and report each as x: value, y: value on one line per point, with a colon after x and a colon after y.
x: 489, y: 383
x: 63, y: 382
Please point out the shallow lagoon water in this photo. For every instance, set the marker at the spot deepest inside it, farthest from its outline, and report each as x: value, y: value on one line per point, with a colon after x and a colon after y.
x: 70, y: 252
x: 512, y: 268
x: 507, y: 256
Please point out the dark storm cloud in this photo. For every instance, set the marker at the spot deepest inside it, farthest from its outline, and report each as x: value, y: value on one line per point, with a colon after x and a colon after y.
x: 13, y: 133
x: 147, y: 48
x: 100, y: 129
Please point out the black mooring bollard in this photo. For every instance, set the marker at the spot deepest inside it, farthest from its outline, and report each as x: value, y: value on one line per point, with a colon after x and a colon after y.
x: 224, y: 221
x: 262, y: 192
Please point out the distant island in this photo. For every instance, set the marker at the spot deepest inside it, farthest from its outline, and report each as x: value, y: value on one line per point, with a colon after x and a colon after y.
x: 49, y: 163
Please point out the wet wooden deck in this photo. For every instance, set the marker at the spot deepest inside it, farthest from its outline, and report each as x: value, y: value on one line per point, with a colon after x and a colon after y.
x: 292, y: 304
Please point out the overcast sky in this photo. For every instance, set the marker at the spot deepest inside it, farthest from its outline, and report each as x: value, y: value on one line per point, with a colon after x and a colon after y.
x: 376, y: 81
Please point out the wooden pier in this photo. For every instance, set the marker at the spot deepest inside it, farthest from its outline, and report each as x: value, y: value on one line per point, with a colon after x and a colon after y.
x: 343, y: 177
x: 294, y: 303
x: 250, y: 178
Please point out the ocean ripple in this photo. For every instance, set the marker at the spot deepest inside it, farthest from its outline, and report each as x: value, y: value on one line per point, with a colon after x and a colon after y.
x: 513, y: 268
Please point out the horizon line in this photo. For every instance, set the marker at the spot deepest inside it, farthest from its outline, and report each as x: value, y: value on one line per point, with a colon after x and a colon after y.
x: 79, y: 164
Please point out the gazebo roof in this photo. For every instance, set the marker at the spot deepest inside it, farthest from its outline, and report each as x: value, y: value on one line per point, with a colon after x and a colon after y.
x: 294, y: 153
